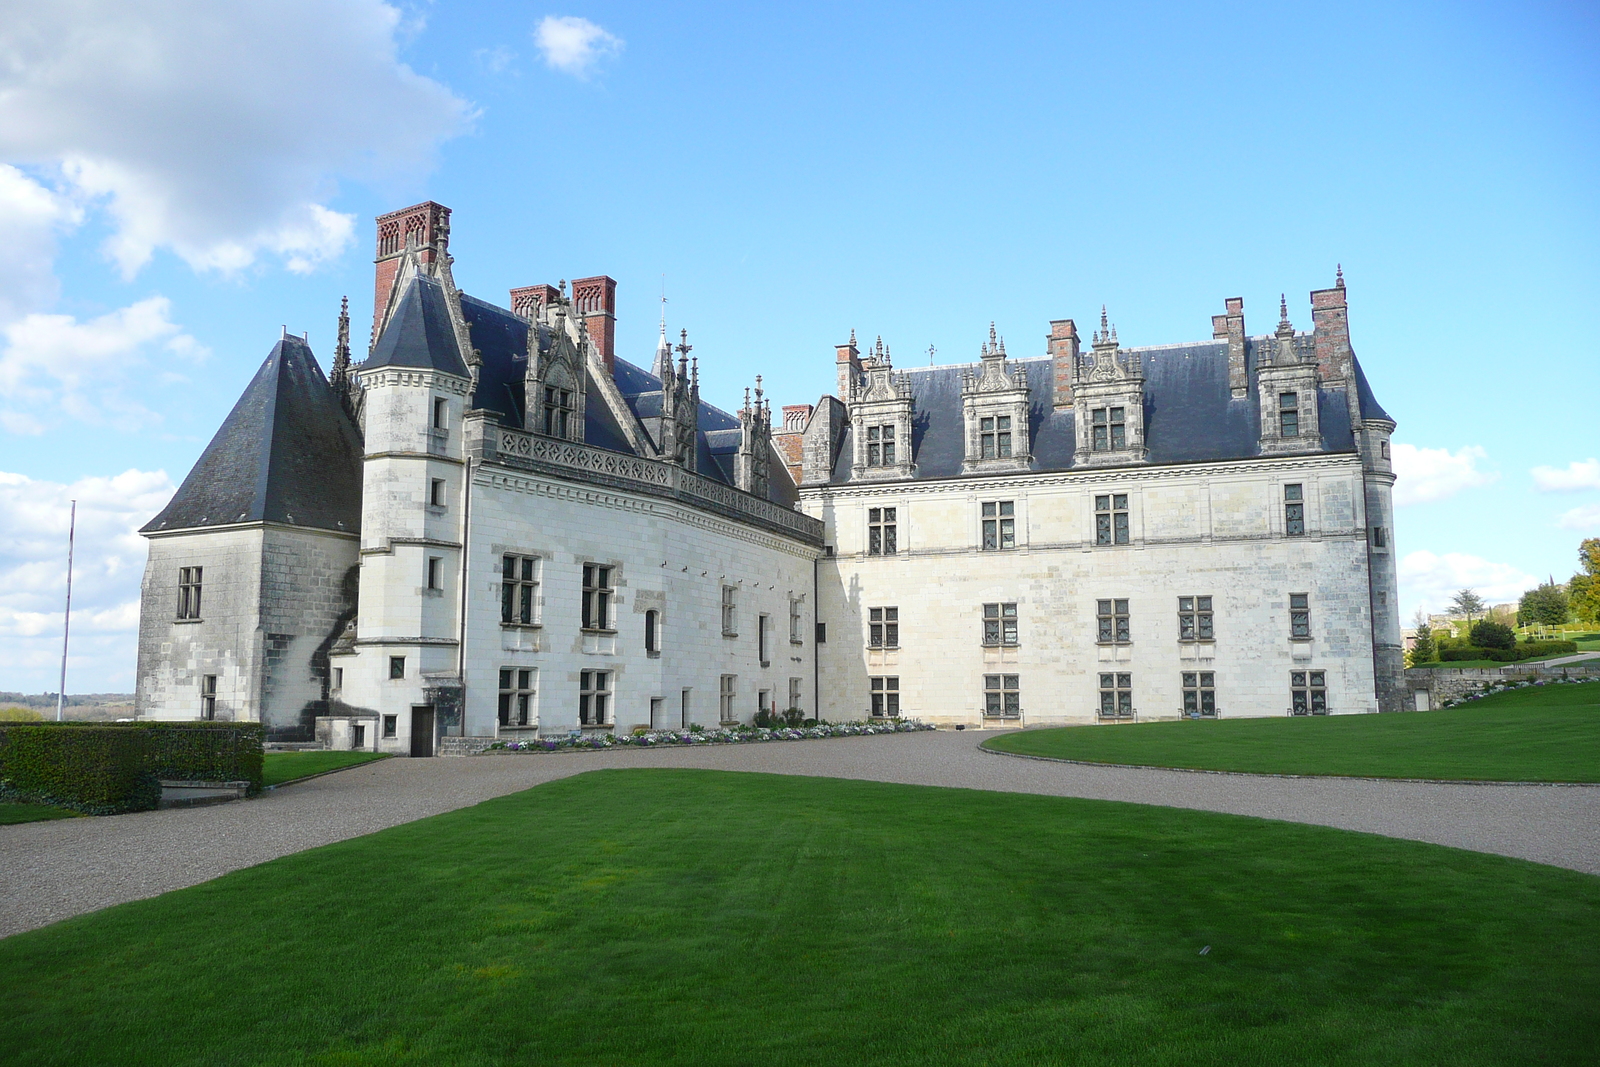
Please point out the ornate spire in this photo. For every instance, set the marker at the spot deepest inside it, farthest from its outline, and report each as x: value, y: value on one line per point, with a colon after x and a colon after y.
x: 1285, y: 327
x: 340, y: 378
x: 1107, y: 334
x: 1338, y: 277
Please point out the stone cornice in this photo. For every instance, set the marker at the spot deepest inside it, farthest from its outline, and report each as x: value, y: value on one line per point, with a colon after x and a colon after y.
x: 348, y: 535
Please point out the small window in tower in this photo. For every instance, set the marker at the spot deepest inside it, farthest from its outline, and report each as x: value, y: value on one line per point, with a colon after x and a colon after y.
x: 436, y: 492
x: 397, y: 666
x: 1383, y: 449
x: 1289, y: 414
x: 441, y: 410
x: 435, y: 572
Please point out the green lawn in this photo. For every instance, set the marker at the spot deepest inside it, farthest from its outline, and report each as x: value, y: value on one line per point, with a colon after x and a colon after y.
x: 701, y: 917
x: 12, y: 812
x: 1545, y: 733
x: 280, y: 767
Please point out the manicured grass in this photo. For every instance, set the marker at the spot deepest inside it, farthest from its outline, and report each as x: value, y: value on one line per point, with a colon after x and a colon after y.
x: 699, y: 917
x: 1463, y: 663
x: 1547, y: 733
x: 11, y: 812
x: 280, y: 767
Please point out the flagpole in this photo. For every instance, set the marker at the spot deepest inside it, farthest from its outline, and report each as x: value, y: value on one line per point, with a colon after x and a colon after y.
x: 66, y: 626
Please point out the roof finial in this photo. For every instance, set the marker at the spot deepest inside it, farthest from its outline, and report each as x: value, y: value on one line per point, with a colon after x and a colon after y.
x: 852, y: 337
x: 562, y: 286
x: 1283, y: 309
x: 1338, y: 276
x: 758, y: 389
x: 992, y: 345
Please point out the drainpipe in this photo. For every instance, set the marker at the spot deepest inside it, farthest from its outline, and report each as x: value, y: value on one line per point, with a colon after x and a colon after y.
x: 816, y: 649
x: 461, y: 636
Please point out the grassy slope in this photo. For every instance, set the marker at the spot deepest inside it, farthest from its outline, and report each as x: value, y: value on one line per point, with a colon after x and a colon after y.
x: 280, y: 767
x: 1539, y: 734
x: 14, y: 813
x: 697, y: 917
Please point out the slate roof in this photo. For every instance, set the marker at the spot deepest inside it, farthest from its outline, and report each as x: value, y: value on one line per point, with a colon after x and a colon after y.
x: 419, y: 335
x: 1190, y: 413
x: 287, y: 453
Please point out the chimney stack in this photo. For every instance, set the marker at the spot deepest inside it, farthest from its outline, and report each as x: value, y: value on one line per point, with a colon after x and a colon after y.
x: 1230, y: 326
x: 1330, y: 319
x: 1063, y: 344
x: 424, y: 227
x: 595, y: 300
x: 529, y: 300
x: 848, y: 358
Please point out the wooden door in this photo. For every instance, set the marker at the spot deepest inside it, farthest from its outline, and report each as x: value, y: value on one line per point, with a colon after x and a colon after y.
x: 422, y: 730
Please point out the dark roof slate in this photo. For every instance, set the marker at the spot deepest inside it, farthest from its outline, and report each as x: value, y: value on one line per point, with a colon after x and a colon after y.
x: 419, y: 333
x: 287, y: 453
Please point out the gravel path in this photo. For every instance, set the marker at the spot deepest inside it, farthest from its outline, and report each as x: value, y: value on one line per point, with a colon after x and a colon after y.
x: 53, y: 870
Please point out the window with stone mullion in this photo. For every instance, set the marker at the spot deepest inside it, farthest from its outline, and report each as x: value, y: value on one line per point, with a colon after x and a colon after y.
x: 999, y: 624
x: 1111, y: 519
x: 880, y: 445
x: 881, y: 529
x: 994, y: 437
x: 519, y: 587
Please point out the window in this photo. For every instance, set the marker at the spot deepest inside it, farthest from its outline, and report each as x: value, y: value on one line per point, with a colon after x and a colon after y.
x: 880, y: 446
x: 516, y: 695
x: 1001, y: 696
x: 1379, y: 540
x: 208, y: 696
x: 1000, y: 624
x: 1200, y: 694
x: 436, y: 492
x: 435, y: 572
x: 397, y: 666
x: 519, y: 590
x: 652, y: 632
x: 794, y: 694
x: 1308, y: 691
x: 1109, y: 429
x: 1113, y: 616
x: 886, y: 697
x: 596, y: 597
x: 1300, y: 616
x: 358, y: 735
x: 762, y: 624
x: 594, y: 698
x: 338, y: 677
x: 189, y: 592
x: 796, y: 621
x: 557, y: 411
x: 1194, y: 619
x: 822, y: 633
x: 1383, y: 449
x: 883, y: 627
x: 725, y: 697
x: 1288, y: 415
x: 730, y: 611
x: 1111, y: 519
x: 440, y: 413
x: 1116, y: 696
x: 999, y: 524
x: 994, y: 437
x: 391, y: 726
x: 881, y: 528
x: 1294, y: 511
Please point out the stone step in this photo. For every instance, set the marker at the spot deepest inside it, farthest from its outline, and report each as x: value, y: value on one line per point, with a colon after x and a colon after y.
x: 201, y: 794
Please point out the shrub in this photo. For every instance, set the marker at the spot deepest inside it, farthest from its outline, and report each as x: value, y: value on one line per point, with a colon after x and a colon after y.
x: 204, y: 752
x: 12, y: 713
x: 1492, y: 635
x: 1516, y: 654
x: 100, y: 770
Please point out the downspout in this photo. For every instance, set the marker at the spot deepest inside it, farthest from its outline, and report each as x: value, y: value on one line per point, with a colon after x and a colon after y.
x: 816, y: 647
x: 461, y: 636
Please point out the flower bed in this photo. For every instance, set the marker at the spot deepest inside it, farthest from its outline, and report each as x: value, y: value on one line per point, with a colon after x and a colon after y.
x: 730, y: 735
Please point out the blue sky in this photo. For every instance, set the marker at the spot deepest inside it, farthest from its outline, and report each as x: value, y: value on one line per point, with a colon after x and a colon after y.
x: 179, y: 179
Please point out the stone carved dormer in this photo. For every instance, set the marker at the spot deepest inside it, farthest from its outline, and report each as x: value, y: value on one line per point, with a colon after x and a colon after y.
x: 1108, y: 404
x: 554, y: 383
x: 1286, y: 385
x: 880, y: 419
x: 994, y: 402
x: 677, y: 429
x: 753, y: 464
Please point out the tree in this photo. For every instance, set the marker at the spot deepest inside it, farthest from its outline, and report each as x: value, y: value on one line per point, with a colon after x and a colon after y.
x: 1546, y: 605
x: 1467, y: 602
x: 1493, y: 635
x: 1583, y: 592
x: 1423, y: 649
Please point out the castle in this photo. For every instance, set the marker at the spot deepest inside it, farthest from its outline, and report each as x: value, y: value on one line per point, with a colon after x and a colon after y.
x: 496, y: 527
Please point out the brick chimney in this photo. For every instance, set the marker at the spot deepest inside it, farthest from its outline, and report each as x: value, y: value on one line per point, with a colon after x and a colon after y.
x: 1230, y: 325
x: 425, y: 227
x: 595, y: 299
x: 848, y: 358
x: 1063, y: 346
x: 1330, y: 319
x: 529, y: 300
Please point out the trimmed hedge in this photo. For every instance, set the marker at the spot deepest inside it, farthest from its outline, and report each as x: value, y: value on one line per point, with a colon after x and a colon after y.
x: 97, y: 770
x: 106, y: 768
x: 1524, y: 651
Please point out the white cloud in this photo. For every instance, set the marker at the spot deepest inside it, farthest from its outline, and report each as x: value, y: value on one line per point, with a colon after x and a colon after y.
x: 216, y: 130
x: 30, y: 217
x: 1430, y: 580
x: 1426, y: 475
x: 1585, y: 519
x: 52, y: 365
x: 573, y: 45
x: 1580, y: 474
x: 108, y: 564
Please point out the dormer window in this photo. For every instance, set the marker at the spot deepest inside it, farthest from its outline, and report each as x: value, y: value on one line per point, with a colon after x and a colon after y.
x: 994, y: 437
x: 1110, y: 429
x: 1289, y: 414
x: 557, y: 411
x: 880, y: 445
